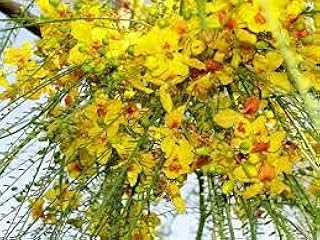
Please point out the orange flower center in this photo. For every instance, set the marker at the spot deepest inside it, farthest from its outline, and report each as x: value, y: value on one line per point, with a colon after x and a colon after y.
x: 173, y: 123
x: 231, y: 24
x: 241, y: 127
x: 260, y: 19
x: 261, y: 147
x: 68, y: 100
x: 75, y: 167
x: 130, y: 111
x: 101, y: 110
x: 175, y: 167
x: 212, y: 65
x: 166, y: 46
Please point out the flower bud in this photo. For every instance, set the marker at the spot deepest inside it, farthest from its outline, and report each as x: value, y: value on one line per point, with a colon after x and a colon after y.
x: 253, y: 158
x: 227, y: 187
x: 203, y: 151
x: 244, y: 145
x: 162, y: 23
x: 250, y: 170
x: 197, y: 47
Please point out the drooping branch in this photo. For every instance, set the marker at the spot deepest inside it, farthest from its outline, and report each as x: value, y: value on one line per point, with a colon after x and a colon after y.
x: 15, y: 10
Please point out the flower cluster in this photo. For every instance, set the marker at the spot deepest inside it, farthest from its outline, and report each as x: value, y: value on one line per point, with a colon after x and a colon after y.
x: 144, y: 95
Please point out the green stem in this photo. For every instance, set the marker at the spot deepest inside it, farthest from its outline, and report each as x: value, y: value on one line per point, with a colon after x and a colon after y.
x: 201, y: 8
x: 228, y: 213
x: 278, y: 220
x: 202, y: 205
x: 230, y: 93
x: 313, y: 158
x: 182, y: 3
x: 217, y: 210
x: 251, y: 219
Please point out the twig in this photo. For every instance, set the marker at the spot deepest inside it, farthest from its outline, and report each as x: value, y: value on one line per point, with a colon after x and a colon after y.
x: 203, y: 215
x: 14, y: 10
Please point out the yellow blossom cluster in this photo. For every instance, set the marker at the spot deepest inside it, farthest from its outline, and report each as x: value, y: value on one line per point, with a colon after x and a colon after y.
x: 152, y: 93
x: 258, y: 152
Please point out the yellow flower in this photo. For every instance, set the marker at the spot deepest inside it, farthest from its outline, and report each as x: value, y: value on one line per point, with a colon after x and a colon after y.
x: 254, y: 158
x: 124, y: 144
x: 159, y: 133
x: 165, y: 98
x: 76, y: 57
x: 240, y: 175
x: 82, y: 31
x: 245, y: 36
x: 156, y: 41
x: 259, y: 125
x: 281, y: 163
x: 37, y: 208
x: 62, y: 197
x: 175, y: 166
x: 129, y: 93
x: 197, y: 47
x: 242, y: 127
x: 279, y: 80
x: 236, y: 58
x: 253, y: 18
x: 225, y: 76
x: 310, y: 79
x: 276, y: 141
x: 253, y: 15
x: 29, y: 77
x: 277, y: 187
x: 270, y: 62
x: 74, y: 169
x: 201, y: 87
x: 295, y: 7
x: 176, y: 199
x: 3, y: 81
x: 172, y: 68
x: 179, y: 156
x: 179, y: 204
x: 175, y: 117
x: 99, y: 148
x: 168, y: 145
x: 148, y: 162
x: 252, y: 190
x: 310, y: 52
x: 18, y: 56
x: 109, y: 111
x: 48, y: 9
x: 133, y: 173
x: 228, y: 186
x: 173, y: 189
x: 314, y: 187
x: 227, y: 118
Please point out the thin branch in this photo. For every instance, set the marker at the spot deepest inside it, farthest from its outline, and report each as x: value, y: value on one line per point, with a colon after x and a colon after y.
x: 14, y: 10
x: 203, y: 215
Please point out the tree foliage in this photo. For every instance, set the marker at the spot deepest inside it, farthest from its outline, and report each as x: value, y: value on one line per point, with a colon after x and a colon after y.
x: 115, y: 106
